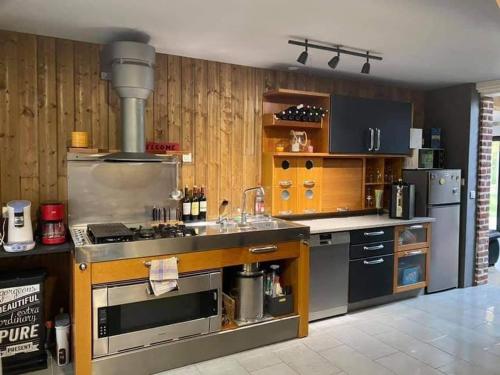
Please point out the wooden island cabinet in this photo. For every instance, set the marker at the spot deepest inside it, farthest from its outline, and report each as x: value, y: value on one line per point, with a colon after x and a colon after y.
x: 293, y: 257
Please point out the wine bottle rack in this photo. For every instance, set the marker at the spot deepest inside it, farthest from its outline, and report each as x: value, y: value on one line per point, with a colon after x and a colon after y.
x: 269, y: 119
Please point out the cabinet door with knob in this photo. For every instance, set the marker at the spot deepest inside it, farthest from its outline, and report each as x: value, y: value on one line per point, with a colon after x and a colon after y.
x: 284, y: 201
x: 366, y: 126
x: 392, y: 123
x: 285, y: 172
x: 309, y: 171
x: 309, y: 200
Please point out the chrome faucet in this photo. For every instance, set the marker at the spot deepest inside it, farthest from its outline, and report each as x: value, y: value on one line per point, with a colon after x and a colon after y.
x: 244, y: 210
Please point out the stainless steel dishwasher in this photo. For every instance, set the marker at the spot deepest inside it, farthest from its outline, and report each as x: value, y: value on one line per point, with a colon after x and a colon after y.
x: 329, y: 274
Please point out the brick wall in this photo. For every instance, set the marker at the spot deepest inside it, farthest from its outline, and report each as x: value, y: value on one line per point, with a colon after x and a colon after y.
x: 483, y: 190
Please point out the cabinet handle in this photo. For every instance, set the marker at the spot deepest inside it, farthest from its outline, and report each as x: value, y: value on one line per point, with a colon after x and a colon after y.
x: 372, y: 234
x: 309, y: 183
x: 263, y: 249
x: 377, y: 148
x: 415, y: 252
x: 376, y: 261
x: 371, y: 248
x: 287, y: 212
x: 285, y: 184
x: 372, y: 134
x: 147, y: 263
x: 417, y: 226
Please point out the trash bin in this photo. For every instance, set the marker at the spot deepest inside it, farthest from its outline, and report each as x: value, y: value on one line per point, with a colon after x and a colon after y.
x: 493, y: 248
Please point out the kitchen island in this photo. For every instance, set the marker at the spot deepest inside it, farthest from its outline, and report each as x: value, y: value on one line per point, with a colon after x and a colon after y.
x: 100, y: 269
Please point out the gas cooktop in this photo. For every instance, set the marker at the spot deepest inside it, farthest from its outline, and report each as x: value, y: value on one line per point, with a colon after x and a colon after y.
x: 118, y: 232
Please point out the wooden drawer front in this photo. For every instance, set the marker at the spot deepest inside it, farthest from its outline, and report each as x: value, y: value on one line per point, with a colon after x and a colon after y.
x: 372, y: 235
x: 414, y: 236
x: 130, y: 269
x: 309, y: 200
x: 373, y: 249
x: 309, y: 172
x: 285, y: 172
x: 284, y: 201
x: 410, y: 269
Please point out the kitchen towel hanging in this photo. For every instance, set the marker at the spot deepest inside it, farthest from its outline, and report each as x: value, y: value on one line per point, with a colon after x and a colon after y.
x: 163, y: 275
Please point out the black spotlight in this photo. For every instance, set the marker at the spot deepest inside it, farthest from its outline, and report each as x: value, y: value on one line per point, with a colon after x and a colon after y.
x: 334, y: 61
x: 303, y: 56
x: 366, y: 66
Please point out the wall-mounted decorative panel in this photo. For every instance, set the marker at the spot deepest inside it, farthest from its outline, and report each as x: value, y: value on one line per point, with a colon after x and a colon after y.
x: 50, y: 87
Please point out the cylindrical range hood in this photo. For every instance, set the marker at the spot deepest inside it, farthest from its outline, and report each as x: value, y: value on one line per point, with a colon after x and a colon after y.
x: 130, y: 66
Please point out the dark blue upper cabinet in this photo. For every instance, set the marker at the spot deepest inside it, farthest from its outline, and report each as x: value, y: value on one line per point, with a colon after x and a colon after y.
x: 367, y: 126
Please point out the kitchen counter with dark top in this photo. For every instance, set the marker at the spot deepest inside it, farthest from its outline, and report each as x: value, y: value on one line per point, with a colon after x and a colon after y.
x: 209, y: 236
x: 341, y: 224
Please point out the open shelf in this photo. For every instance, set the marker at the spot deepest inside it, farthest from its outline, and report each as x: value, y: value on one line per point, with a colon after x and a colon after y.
x: 283, y: 94
x: 40, y: 250
x: 276, y: 131
x: 269, y: 119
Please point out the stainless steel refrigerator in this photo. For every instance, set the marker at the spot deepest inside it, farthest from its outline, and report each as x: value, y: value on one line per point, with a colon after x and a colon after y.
x: 437, y: 195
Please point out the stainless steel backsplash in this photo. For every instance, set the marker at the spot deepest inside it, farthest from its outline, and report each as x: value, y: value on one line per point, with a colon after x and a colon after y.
x: 124, y: 192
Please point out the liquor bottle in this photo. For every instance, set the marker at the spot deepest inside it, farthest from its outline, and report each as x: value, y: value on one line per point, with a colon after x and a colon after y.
x: 195, y: 205
x: 186, y: 206
x: 203, y: 205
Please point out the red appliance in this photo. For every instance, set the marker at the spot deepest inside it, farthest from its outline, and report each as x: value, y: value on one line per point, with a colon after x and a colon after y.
x: 53, y: 230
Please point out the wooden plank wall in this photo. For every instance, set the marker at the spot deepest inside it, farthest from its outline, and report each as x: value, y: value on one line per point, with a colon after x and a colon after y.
x: 50, y: 87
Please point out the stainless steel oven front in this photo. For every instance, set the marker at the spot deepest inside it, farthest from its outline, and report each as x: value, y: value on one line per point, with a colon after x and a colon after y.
x: 127, y: 315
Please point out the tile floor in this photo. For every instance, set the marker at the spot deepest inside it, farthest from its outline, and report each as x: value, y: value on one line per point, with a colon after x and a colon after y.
x: 454, y: 332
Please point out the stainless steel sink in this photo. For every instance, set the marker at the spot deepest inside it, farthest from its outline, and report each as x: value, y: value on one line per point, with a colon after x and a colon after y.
x: 254, y: 223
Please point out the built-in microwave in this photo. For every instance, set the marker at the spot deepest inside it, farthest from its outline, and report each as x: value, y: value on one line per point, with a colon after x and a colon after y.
x: 128, y: 316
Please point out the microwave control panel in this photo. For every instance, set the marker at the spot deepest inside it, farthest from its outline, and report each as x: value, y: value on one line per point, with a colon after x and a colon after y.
x: 102, y: 322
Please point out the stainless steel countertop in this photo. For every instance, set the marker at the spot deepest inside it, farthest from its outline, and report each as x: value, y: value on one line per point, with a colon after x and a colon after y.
x: 209, y: 237
x: 339, y: 224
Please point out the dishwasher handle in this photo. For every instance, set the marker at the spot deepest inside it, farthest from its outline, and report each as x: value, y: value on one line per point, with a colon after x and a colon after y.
x: 330, y: 239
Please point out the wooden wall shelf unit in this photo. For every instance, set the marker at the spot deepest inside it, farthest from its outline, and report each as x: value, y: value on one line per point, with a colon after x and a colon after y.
x: 319, y: 182
x: 277, y: 131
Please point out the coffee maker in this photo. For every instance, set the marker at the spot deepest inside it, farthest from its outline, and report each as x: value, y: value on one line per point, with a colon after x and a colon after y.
x: 52, y: 228
x: 20, y: 230
x: 402, y: 205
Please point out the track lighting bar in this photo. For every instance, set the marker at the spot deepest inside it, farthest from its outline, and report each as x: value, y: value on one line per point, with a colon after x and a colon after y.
x: 334, y: 49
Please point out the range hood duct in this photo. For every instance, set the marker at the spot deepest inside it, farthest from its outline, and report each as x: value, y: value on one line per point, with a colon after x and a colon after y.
x: 130, y: 67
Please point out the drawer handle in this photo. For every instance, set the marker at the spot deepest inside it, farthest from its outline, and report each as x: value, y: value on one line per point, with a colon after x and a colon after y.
x: 288, y: 212
x: 285, y: 184
x: 376, y: 261
x: 309, y: 183
x: 147, y: 263
x: 263, y: 249
x: 417, y: 226
x: 372, y: 234
x: 414, y: 252
x: 372, y: 248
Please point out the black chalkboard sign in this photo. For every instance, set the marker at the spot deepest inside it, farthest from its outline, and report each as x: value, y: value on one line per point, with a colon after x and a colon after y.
x: 22, y: 330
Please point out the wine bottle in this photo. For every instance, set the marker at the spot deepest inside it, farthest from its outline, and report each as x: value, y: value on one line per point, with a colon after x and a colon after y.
x: 203, y: 204
x: 195, y: 205
x: 186, y: 206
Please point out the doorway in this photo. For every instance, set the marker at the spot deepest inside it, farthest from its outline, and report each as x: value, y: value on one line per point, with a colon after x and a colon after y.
x: 494, y: 207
